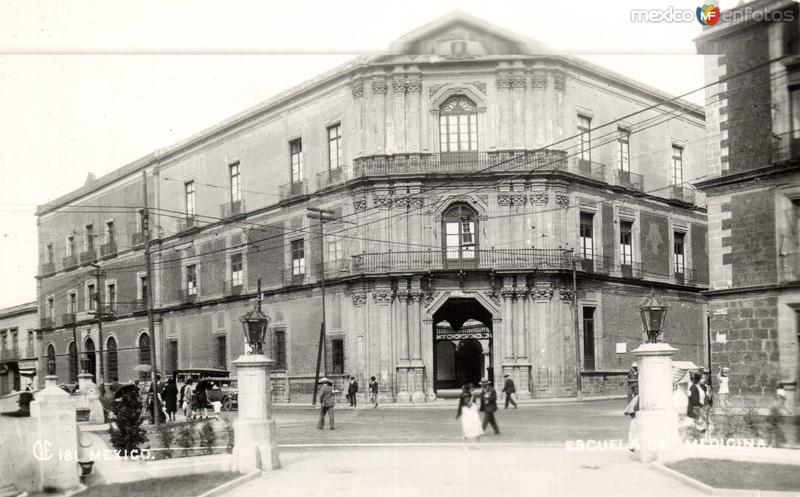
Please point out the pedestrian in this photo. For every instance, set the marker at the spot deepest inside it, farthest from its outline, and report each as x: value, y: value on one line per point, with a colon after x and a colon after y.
x: 489, y: 405
x: 633, y: 428
x: 723, y: 390
x: 468, y: 413
x: 153, y: 391
x: 696, y: 408
x: 509, y: 389
x: 326, y: 403
x: 373, y: 391
x: 171, y: 398
x: 187, y: 391
x: 352, y: 390
x: 200, y: 400
x: 633, y: 380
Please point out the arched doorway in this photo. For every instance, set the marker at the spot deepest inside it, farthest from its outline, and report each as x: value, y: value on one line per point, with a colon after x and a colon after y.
x: 88, y: 347
x: 462, y: 335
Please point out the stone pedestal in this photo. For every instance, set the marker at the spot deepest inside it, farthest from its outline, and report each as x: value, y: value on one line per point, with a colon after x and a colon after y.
x: 56, y: 448
x: 255, y: 447
x: 89, y: 398
x: 656, y: 420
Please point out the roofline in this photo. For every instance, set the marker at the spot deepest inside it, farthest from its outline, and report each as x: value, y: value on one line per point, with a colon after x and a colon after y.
x: 725, y: 28
x: 26, y: 308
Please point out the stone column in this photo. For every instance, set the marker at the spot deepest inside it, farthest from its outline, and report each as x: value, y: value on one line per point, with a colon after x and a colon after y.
x: 508, y: 295
x: 254, y: 430
x: 395, y: 122
x: 359, y: 299
x: 503, y: 124
x: 58, y: 434
x: 357, y: 88
x: 656, y: 420
x: 414, y: 88
x: 379, y: 86
x: 417, y: 339
x: 539, y: 84
x: 520, y: 349
x: 427, y: 357
x: 383, y: 299
x: 518, y: 111
x: 90, y: 398
x: 402, y: 337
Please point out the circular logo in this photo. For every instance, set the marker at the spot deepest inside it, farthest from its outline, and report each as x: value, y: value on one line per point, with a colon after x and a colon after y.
x: 707, y: 15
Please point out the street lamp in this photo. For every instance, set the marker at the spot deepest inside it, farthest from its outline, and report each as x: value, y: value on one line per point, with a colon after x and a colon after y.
x: 653, y: 314
x: 255, y: 325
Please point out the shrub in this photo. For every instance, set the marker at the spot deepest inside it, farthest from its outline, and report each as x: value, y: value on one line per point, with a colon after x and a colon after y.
x: 208, y: 439
x: 126, y: 430
x: 186, y: 437
x: 229, y: 431
x: 166, y: 437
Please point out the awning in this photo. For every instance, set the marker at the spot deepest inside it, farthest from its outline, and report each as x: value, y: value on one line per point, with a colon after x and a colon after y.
x: 28, y: 368
x: 681, y: 371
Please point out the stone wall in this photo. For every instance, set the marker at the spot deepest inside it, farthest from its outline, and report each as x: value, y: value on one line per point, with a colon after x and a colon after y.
x: 604, y: 383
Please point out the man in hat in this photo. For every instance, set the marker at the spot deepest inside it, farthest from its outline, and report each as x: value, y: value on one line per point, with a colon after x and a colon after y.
x: 509, y: 389
x: 633, y: 380
x: 352, y: 390
x: 326, y: 403
x: 489, y: 405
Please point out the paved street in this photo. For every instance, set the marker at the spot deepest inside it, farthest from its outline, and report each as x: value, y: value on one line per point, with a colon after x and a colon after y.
x: 532, y: 424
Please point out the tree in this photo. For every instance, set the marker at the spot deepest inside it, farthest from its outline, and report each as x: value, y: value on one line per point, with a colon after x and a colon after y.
x: 126, y: 429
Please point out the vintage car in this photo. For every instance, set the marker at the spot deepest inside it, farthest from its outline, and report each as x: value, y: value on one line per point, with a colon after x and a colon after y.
x: 220, y: 389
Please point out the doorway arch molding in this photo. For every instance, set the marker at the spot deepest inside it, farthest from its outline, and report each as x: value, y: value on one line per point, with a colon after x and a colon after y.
x: 442, y: 298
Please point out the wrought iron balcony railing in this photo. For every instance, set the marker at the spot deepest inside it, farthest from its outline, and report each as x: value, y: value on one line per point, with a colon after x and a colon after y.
x: 69, y: 261
x: 790, y: 267
x: 786, y: 146
x: 428, y: 260
x: 631, y: 270
x: 594, y: 264
x: 190, y: 222
x: 681, y: 194
x: 458, y: 162
x: 231, y: 209
x: 68, y: 318
x: 233, y: 288
x: 188, y: 296
x: 108, y: 249
x: 587, y: 169
x: 88, y: 255
x: 46, y: 322
x: 47, y: 268
x: 330, y: 177
x: 137, y: 238
x: 291, y: 278
x: 629, y: 180
x: 293, y: 189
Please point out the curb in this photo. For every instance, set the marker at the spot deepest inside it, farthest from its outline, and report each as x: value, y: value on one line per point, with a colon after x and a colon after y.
x: 448, y: 403
x: 228, y: 486
x: 708, y: 489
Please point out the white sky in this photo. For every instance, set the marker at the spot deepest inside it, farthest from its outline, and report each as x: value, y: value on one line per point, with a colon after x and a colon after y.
x: 92, y: 85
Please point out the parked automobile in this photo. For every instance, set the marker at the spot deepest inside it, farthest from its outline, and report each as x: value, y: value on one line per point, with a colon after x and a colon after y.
x: 181, y: 375
x: 227, y: 392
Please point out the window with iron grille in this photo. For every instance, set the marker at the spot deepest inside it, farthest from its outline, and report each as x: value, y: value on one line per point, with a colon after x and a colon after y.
x: 110, y: 235
x: 48, y: 253
x: 88, y: 241
x: 70, y: 250
x: 30, y: 345
x: 188, y: 191
x: 90, y: 297
x: 173, y: 356
x: 236, y: 184
x: 142, y: 288
x: 587, y: 235
x: 626, y: 243
x: 72, y: 302
x: 334, y: 146
x: 50, y: 307
x: 222, y: 352
x: 677, y: 165
x: 623, y: 150
x: 144, y: 348
x: 458, y: 125
x: 111, y: 295
x: 678, y: 252
x: 279, y: 350
x: 112, y: 362
x: 237, y: 272
x: 584, y: 129
x: 588, y: 339
x: 296, y: 159
x: 337, y: 356
x: 191, y: 279
x: 298, y: 257
x: 73, y: 362
x: 794, y: 109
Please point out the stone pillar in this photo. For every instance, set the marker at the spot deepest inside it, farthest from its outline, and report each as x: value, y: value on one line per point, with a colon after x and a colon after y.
x: 504, y: 117
x: 359, y: 129
x: 656, y: 420
x: 359, y: 300
x: 518, y: 111
x: 417, y: 339
x: 58, y: 435
x: 402, y: 337
x: 427, y: 357
x: 520, y: 332
x: 539, y: 84
x: 414, y: 88
x: 383, y: 299
x: 508, y: 318
x: 90, y: 398
x: 398, y: 120
x: 378, y: 86
x: 255, y: 446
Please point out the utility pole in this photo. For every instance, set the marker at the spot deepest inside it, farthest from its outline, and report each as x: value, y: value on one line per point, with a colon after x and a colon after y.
x: 99, y: 313
x: 149, y: 303
x: 578, y: 386
x: 323, y: 215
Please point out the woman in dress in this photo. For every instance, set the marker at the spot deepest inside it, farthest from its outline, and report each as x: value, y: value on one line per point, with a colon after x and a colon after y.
x: 468, y: 413
x: 171, y: 398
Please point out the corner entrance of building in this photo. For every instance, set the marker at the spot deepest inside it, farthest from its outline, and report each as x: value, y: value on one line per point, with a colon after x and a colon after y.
x: 462, y: 353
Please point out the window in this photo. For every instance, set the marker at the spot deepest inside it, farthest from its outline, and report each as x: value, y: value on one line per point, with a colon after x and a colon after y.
x: 110, y: 236
x: 88, y: 242
x: 296, y: 159
x: 112, y: 364
x: 31, y: 352
x: 50, y: 307
x: 298, y: 258
x: 142, y: 288
x: 144, y: 348
x: 458, y: 125
x: 51, y: 360
x: 3, y: 344
x: 141, y: 221
x: 14, y: 342
x: 73, y: 362
x: 237, y: 273
x: 584, y: 129
x: 90, y: 297
x: 222, y: 352
x: 236, y: 185
x: 623, y: 150
x: 587, y: 235
x: 111, y: 295
x: 794, y: 109
x: 191, y: 279
x: 678, y: 252
x: 70, y: 246
x: 72, y: 302
x: 588, y: 339
x: 279, y: 351
x: 173, y: 357
x: 48, y: 253
x: 188, y: 193
x: 677, y: 165
x: 626, y: 243
x: 460, y: 239
x: 335, y: 251
x: 337, y: 356
x: 334, y: 146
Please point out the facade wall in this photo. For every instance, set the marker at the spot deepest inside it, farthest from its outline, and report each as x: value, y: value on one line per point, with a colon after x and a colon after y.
x: 18, y: 347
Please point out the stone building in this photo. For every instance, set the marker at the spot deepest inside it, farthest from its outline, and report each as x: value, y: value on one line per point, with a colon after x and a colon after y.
x: 753, y: 188
x: 500, y: 210
x: 18, y: 351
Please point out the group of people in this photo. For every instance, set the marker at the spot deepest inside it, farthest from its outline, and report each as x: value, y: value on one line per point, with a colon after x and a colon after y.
x: 327, y: 400
x: 474, y: 401
x: 191, y: 399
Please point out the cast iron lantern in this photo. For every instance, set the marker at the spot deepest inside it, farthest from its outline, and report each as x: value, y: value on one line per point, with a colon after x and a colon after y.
x: 255, y: 325
x: 85, y: 363
x: 653, y: 314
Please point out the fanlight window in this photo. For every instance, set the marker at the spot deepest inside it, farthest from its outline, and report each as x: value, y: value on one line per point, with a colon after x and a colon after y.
x: 458, y: 125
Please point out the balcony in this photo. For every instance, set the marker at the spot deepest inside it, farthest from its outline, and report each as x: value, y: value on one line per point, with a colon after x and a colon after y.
x: 108, y: 310
x: 108, y: 249
x: 629, y: 180
x: 790, y: 267
x: 188, y: 296
x: 68, y: 318
x: 188, y: 223
x: 46, y: 323
x: 69, y: 261
x: 430, y: 260
x: 337, y: 268
x: 460, y: 162
x: 330, y: 177
x: 587, y: 169
x: 631, y: 270
x: 293, y: 189
x: 231, y: 209
x: 47, y: 268
x: 595, y: 264
x: 681, y: 194
x: 786, y: 146
x: 233, y: 289
x: 88, y: 255
x: 137, y: 238
x: 139, y: 305
x: 291, y: 279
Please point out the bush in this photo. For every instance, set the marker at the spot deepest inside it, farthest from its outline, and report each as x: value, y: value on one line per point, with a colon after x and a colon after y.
x: 208, y: 439
x: 126, y: 430
x: 166, y: 437
x: 186, y: 437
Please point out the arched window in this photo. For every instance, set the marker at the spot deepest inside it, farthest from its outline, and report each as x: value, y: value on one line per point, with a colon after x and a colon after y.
x: 113, y: 364
x: 144, y: 348
x: 73, y: 362
x: 460, y: 240
x: 88, y: 350
x: 458, y: 125
x: 51, y: 360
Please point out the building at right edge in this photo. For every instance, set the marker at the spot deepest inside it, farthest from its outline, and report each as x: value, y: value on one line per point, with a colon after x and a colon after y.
x: 753, y: 189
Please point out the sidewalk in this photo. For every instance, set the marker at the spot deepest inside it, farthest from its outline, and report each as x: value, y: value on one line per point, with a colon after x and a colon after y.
x: 459, y: 472
x: 448, y: 403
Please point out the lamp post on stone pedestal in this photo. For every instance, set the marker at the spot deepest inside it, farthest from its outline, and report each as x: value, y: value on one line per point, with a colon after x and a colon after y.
x: 656, y: 420
x: 254, y: 431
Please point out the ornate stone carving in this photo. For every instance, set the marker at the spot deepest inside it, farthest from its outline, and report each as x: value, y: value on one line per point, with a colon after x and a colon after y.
x: 359, y: 299
x: 403, y: 297
x: 383, y: 201
x: 416, y: 296
x: 401, y: 202
x: 477, y: 84
x: 416, y: 202
x: 357, y: 88
x: 493, y: 296
x: 414, y: 85
x: 562, y: 199
x: 483, y: 197
x: 503, y: 83
x: 566, y: 295
x: 379, y: 86
x: 383, y: 296
x: 508, y: 293
x: 522, y: 292
x: 399, y: 85
x: 542, y: 293
x: 518, y: 82
x: 429, y: 298
x: 539, y: 80
x: 504, y: 199
x: 359, y: 203
x: 539, y: 198
x: 559, y: 80
x: 518, y: 199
